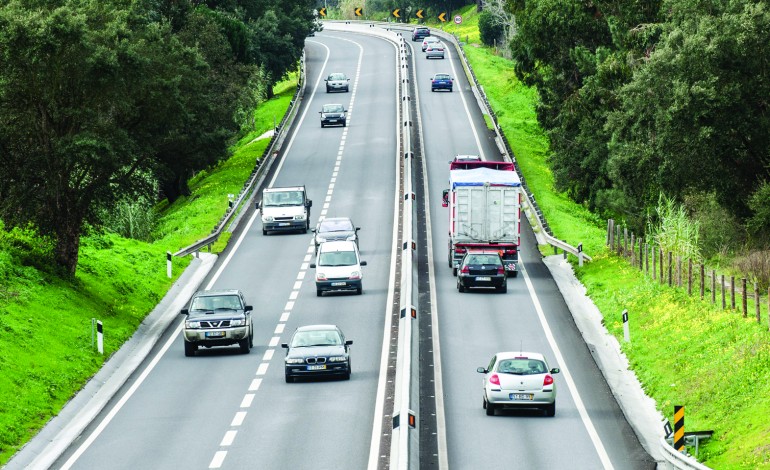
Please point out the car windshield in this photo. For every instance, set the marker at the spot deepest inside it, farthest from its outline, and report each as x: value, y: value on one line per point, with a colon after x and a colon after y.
x: 337, y: 258
x: 283, y: 198
x: 333, y: 108
x: 337, y: 76
x: 216, y: 302
x: 336, y: 225
x: 441, y: 76
x: 521, y: 366
x: 483, y: 259
x: 303, y: 339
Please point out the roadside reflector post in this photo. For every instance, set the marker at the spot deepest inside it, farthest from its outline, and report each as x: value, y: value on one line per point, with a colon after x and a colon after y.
x: 168, y: 264
x: 580, y: 254
x: 679, y: 428
x: 99, y: 337
x: 626, y: 333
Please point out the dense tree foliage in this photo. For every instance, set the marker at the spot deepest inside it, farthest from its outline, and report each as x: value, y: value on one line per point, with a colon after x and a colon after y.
x: 647, y: 97
x: 106, y: 99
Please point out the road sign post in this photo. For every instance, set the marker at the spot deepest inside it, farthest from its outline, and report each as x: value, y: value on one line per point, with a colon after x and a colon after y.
x: 458, y: 19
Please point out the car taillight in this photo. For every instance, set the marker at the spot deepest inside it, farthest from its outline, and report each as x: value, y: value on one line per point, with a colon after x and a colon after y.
x: 500, y: 270
x: 465, y: 270
x: 510, y: 252
x: 548, y: 380
x: 459, y: 250
x: 494, y: 379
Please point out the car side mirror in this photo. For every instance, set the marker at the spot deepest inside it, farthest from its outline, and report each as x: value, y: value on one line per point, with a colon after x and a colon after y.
x: 358, y: 228
x: 326, y: 79
x: 312, y: 265
x: 312, y: 230
x: 285, y: 345
x: 555, y: 370
x: 445, y: 198
x: 362, y: 263
x: 481, y: 370
x: 349, y: 342
x: 308, y: 203
x: 248, y: 308
x: 259, y: 205
x: 184, y: 312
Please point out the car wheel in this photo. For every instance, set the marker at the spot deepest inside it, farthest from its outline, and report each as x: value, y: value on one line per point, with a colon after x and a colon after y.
x: 454, y: 272
x: 289, y: 379
x: 550, y: 410
x: 264, y: 232
x: 319, y: 293
x: 359, y: 291
x: 504, y: 288
x: 322, y: 125
x: 347, y: 89
x: 460, y: 286
x: 490, y: 409
x: 251, y: 338
x: 346, y: 376
x: 432, y: 89
x: 344, y: 124
x: 449, y: 257
x: 189, y: 349
x: 515, y: 274
x: 244, y: 344
x: 450, y: 90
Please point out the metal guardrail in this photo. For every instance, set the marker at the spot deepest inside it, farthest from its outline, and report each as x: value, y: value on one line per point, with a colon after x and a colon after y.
x: 677, y: 459
x: 257, y: 174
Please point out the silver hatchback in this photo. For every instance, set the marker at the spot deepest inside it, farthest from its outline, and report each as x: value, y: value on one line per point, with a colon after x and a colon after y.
x: 435, y: 51
x: 518, y: 380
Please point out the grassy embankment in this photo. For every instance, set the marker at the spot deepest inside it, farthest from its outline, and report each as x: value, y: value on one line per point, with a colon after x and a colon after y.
x: 684, y: 351
x: 46, y: 354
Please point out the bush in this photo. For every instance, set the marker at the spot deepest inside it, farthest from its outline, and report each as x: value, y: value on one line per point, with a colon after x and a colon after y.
x: 135, y: 219
x: 720, y: 231
x: 756, y: 266
x: 759, y: 223
x: 490, y: 29
x: 672, y: 229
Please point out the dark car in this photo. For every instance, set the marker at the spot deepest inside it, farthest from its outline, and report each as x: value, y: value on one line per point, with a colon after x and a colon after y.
x: 317, y: 350
x: 337, y: 82
x: 335, y: 229
x: 419, y: 33
x: 482, y: 269
x: 217, y: 318
x: 333, y: 115
x: 441, y: 81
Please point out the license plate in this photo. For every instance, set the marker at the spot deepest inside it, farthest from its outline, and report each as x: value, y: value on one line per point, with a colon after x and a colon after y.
x: 336, y: 284
x: 284, y: 224
x: 215, y: 334
x: 317, y: 367
x: 332, y: 120
x: 483, y: 278
x: 520, y: 396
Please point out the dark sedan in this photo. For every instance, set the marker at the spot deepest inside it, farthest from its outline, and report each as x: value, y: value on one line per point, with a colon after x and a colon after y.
x: 335, y: 229
x: 441, y: 81
x: 482, y: 269
x: 317, y: 350
x: 333, y: 115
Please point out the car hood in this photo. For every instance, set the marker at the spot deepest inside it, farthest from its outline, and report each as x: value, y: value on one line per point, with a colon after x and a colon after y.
x: 315, y: 351
x: 339, y: 271
x: 208, y: 315
x: 283, y: 211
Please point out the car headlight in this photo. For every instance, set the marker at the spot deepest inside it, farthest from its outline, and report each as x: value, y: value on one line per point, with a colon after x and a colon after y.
x: 192, y: 325
x: 267, y: 218
x: 323, y: 116
x: 355, y: 275
x: 241, y: 322
x: 338, y: 359
x: 294, y: 360
x: 299, y: 217
x: 320, y: 277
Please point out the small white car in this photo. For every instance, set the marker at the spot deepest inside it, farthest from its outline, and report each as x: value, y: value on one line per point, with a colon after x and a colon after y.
x: 338, y: 267
x: 518, y: 380
x: 429, y: 40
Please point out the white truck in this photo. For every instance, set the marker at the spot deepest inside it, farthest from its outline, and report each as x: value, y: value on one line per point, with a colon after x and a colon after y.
x: 484, y: 201
x: 284, y: 209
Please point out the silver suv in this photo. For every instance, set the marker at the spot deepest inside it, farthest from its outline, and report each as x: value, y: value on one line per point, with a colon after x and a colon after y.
x: 218, y: 318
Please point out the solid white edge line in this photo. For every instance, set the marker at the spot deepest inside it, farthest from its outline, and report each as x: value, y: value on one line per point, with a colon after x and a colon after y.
x: 589, y: 425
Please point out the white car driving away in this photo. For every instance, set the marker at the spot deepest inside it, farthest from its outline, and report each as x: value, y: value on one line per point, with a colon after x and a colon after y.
x: 519, y: 380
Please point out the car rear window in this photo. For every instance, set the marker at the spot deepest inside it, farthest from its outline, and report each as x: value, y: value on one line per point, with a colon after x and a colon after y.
x: 441, y: 76
x: 521, y: 366
x: 332, y: 108
x: 483, y: 259
x: 335, y: 225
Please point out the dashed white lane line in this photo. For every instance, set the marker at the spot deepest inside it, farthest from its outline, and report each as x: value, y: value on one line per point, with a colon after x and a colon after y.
x: 262, y: 369
x: 228, y: 439
x: 247, y: 400
x: 219, y: 457
x: 255, y: 385
x: 274, y: 341
x: 289, y: 305
x: 279, y: 328
x: 238, y: 418
x: 294, y: 294
x: 268, y: 355
x: 285, y: 317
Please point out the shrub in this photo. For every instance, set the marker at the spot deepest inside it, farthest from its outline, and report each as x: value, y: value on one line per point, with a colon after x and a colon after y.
x: 491, y: 31
x: 756, y: 266
x: 719, y: 230
x: 759, y: 223
x: 134, y: 219
x: 673, y: 230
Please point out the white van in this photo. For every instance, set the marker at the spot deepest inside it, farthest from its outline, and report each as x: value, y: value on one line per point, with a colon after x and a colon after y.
x: 285, y: 209
x: 338, y: 267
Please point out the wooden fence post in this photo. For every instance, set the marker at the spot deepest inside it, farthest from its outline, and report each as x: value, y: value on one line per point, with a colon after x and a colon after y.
x: 662, y: 278
x: 702, y: 280
x: 724, y: 301
x: 713, y: 286
x: 633, y: 250
x: 689, y: 277
x: 732, y: 292
x: 617, y: 236
x: 641, y: 259
x: 670, y: 267
x: 756, y: 301
x: 646, y: 259
x: 654, y: 264
x: 679, y: 271
x: 625, y: 241
x: 608, y: 242
x: 744, y: 298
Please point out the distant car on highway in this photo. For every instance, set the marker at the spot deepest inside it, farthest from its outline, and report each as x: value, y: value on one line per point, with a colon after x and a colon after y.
x: 317, y: 350
x: 434, y: 51
x: 335, y: 229
x: 338, y: 268
x: 429, y: 40
x: 420, y: 32
x: 337, y: 81
x: 441, y: 81
x: 217, y: 318
x: 518, y: 380
x: 482, y: 269
x: 333, y: 115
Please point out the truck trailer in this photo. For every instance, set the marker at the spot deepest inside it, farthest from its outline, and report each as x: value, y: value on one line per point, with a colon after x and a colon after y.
x: 484, y: 201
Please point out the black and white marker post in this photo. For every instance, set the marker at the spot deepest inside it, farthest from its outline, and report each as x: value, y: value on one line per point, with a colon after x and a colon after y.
x: 626, y: 333
x: 168, y: 264
x: 99, y: 337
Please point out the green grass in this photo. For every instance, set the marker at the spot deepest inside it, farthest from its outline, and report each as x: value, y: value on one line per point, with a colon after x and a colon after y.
x: 46, y: 353
x: 685, y: 351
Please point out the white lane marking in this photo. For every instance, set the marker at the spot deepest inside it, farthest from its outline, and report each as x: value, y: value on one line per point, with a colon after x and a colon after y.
x: 268, y: 355
x: 589, y: 425
x: 255, y: 385
x: 301, y: 275
x: 228, y: 439
x: 293, y: 295
x: 248, y: 399
x: 306, y: 262
x: 279, y: 328
x: 467, y: 111
x: 218, y: 459
x: 262, y: 369
x: 297, y: 285
x: 285, y: 317
x: 274, y: 341
x: 289, y: 305
x: 238, y: 418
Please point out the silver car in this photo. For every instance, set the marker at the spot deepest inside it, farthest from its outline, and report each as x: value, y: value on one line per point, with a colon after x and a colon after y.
x: 429, y: 41
x: 337, y: 82
x: 519, y: 380
x: 434, y: 51
x: 335, y: 229
x: 217, y: 318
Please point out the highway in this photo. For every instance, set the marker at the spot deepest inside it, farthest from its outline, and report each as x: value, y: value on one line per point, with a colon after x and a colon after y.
x: 222, y: 409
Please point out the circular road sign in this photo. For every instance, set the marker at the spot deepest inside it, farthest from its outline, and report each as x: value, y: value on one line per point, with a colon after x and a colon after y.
x: 458, y: 19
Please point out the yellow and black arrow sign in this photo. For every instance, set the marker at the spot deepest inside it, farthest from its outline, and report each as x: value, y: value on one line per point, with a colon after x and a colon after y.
x: 322, y: 11
x: 442, y: 16
x: 395, y: 13
x: 419, y: 14
x: 359, y: 11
